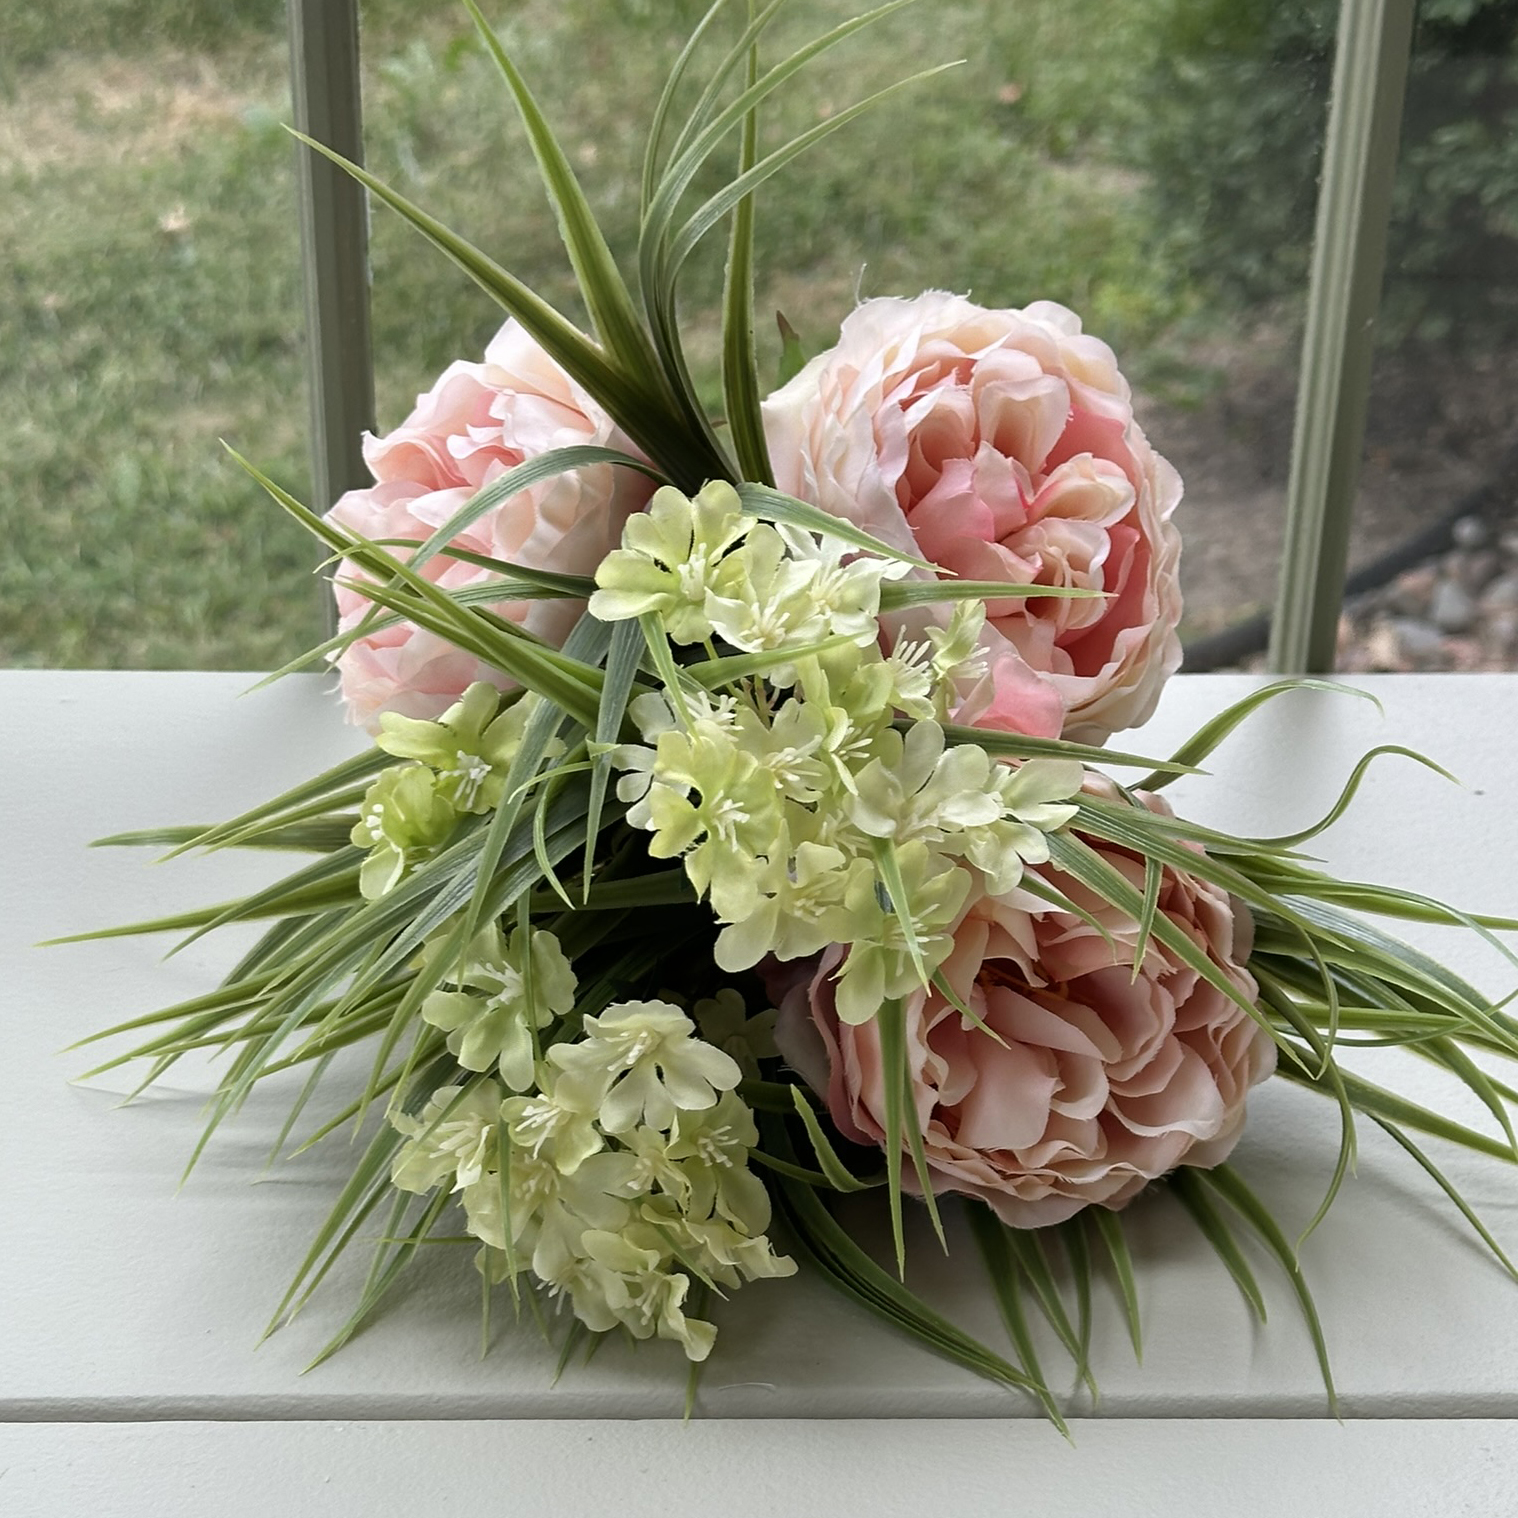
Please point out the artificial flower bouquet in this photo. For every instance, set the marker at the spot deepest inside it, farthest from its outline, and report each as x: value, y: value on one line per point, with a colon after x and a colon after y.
x: 739, y: 829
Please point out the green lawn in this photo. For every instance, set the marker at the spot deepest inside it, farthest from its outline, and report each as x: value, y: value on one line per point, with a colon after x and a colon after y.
x: 150, y: 284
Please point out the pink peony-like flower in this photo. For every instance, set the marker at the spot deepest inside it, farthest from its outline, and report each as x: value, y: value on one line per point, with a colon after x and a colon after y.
x: 476, y: 422
x: 1001, y: 445
x: 1105, y: 1082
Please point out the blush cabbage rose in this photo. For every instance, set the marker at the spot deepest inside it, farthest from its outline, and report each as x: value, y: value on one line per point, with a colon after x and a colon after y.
x: 476, y: 422
x: 1001, y: 445
x: 1105, y: 1082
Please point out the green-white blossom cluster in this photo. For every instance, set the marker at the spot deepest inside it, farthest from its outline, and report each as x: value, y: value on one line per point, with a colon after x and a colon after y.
x: 823, y: 806
x: 458, y: 766
x: 618, y: 1174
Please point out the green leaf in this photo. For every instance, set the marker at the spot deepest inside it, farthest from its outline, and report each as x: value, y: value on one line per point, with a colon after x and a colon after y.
x: 888, y: 1022
x: 1194, y: 1198
x: 1110, y: 1228
x: 770, y: 505
x: 1347, y: 795
x: 1211, y: 734
x: 1377, y: 1102
x: 792, y: 354
x: 665, y: 103
x: 1225, y: 1180
x: 829, y: 1248
x: 622, y: 660
x: 993, y: 1241
x: 1080, y: 861
x: 340, y: 778
x: 1028, y: 1250
x: 740, y: 363
x: 533, y: 471
x: 713, y: 210
x: 673, y: 677
x: 601, y: 285
x: 710, y: 673
x: 384, y: 1275
x: 837, y: 1174
x: 897, y: 595
x: 1451, y: 1191
x: 664, y: 437
x: 1019, y: 746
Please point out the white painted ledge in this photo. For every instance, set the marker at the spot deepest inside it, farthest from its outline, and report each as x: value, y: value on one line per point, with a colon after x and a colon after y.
x: 753, y: 1469
x: 120, y: 1300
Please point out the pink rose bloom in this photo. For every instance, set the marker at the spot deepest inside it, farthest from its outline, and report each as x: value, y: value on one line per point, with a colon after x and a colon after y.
x: 478, y: 421
x: 1001, y: 445
x: 1106, y: 1082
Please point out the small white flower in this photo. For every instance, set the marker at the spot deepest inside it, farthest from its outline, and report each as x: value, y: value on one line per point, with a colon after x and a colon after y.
x: 639, y: 1063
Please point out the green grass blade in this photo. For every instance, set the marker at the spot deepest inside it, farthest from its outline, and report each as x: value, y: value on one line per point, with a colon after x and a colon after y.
x: 1078, y: 1248
x: 622, y: 660
x: 837, y: 1174
x: 893, y: 1057
x: 991, y: 1238
x: 1019, y: 746
x: 1211, y: 734
x: 713, y: 210
x: 340, y: 778
x: 1109, y: 1227
x: 1028, y: 1250
x: 1351, y: 787
x: 900, y: 595
x: 740, y: 361
x: 1377, y: 1102
x: 602, y: 288
x: 828, y: 1246
x: 1226, y: 1181
x: 649, y: 178
x: 662, y: 436
x: 513, y: 482
x: 771, y: 505
x: 1192, y: 1195
x: 710, y: 673
x: 1452, y: 1192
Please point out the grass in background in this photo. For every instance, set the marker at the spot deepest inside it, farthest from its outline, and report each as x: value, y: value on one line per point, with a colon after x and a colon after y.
x: 150, y: 286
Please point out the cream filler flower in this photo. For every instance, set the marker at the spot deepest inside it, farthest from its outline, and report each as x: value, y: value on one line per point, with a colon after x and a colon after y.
x: 470, y: 747
x: 762, y: 600
x: 500, y: 999
x: 453, y: 1136
x: 639, y: 1063
x: 669, y: 559
x: 401, y: 819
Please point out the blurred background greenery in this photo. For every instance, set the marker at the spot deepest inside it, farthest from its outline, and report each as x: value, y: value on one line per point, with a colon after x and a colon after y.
x: 1149, y: 162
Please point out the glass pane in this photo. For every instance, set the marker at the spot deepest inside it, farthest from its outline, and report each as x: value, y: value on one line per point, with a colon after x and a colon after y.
x: 1149, y: 164
x: 1436, y: 537
x: 149, y: 305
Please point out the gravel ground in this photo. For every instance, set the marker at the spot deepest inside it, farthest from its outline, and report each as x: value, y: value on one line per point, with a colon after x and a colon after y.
x: 1441, y: 431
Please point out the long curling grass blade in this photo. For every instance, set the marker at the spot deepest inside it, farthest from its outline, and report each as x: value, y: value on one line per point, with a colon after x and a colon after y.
x: 665, y: 104
x: 996, y: 1254
x: 1227, y: 1182
x: 1211, y: 734
x: 626, y: 397
x: 1452, y: 1192
x: 709, y: 214
x: 1194, y: 1198
x: 1109, y: 1228
x: 829, y: 1247
x: 601, y: 285
x: 740, y: 362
